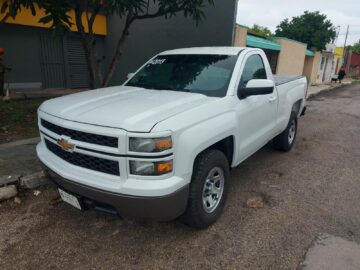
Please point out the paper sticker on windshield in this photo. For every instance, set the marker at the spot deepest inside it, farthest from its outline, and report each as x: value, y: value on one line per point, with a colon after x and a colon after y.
x: 158, y: 61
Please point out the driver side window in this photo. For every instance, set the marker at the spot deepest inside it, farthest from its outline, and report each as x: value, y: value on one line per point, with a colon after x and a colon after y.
x: 254, y: 69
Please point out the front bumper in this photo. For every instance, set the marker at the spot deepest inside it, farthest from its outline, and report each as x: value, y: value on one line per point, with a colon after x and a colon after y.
x: 163, y: 208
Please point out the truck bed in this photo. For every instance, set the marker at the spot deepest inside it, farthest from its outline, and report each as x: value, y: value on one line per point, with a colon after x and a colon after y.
x: 281, y: 79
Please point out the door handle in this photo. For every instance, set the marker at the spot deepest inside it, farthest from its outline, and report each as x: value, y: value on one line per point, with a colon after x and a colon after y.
x: 272, y: 99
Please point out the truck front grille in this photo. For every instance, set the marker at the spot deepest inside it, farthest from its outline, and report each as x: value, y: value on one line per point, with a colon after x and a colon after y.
x: 80, y: 135
x: 85, y: 161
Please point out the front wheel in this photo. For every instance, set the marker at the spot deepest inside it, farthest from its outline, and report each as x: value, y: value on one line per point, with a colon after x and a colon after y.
x: 285, y: 140
x: 208, y: 189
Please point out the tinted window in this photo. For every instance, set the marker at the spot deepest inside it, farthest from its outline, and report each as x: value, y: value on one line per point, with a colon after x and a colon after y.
x: 254, y: 69
x: 206, y: 74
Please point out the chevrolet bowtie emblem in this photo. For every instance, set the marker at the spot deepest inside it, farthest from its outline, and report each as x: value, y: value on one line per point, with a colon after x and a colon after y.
x: 65, y: 145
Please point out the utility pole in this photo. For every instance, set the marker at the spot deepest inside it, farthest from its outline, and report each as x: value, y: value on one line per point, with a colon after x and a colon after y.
x: 344, y: 51
x: 347, y: 32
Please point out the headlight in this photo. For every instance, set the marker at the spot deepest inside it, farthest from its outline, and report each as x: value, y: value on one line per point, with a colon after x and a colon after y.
x: 150, y: 168
x: 150, y: 145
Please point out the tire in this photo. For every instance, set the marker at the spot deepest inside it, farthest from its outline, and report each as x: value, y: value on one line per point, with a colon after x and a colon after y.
x: 285, y: 140
x: 200, y: 213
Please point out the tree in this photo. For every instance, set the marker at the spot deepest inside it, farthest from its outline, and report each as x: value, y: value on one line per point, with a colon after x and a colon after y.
x: 356, y: 48
x: 311, y: 28
x: 260, y: 30
x: 57, y: 13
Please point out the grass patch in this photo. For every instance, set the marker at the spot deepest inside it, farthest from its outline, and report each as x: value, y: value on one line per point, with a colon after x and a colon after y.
x: 18, y: 119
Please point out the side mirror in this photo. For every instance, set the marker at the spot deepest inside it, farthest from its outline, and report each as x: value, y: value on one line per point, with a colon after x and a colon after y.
x: 130, y: 75
x: 256, y: 87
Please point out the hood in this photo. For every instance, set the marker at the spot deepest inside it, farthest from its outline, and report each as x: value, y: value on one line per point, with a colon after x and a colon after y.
x: 129, y: 108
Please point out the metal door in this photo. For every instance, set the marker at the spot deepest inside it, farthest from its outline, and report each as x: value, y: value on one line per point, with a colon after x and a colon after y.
x: 52, y: 61
x: 76, y: 61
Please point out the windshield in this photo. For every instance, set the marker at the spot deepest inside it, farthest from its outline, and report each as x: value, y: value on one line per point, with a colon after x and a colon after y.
x: 206, y: 74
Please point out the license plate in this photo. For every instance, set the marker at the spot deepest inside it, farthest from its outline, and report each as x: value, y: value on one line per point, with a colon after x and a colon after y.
x: 70, y: 199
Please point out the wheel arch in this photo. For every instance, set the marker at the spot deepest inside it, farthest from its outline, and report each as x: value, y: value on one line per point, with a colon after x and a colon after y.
x: 226, y: 146
x: 217, y: 132
x: 296, y: 108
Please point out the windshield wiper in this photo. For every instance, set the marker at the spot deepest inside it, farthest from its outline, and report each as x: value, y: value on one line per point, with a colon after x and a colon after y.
x: 146, y: 86
x: 152, y: 87
x: 179, y: 89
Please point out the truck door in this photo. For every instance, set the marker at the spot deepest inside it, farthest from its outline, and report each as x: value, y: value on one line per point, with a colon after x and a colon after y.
x: 256, y: 113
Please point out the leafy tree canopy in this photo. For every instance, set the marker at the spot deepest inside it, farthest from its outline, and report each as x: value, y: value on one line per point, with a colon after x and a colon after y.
x: 57, y: 11
x: 57, y: 14
x: 311, y: 28
x: 356, y: 48
x: 260, y: 30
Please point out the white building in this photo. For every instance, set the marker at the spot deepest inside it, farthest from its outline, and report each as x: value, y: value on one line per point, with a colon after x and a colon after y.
x: 328, y: 64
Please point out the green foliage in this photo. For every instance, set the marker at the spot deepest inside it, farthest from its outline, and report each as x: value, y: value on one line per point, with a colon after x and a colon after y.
x: 356, y: 48
x: 260, y: 30
x: 15, y: 111
x: 312, y: 28
x: 57, y: 11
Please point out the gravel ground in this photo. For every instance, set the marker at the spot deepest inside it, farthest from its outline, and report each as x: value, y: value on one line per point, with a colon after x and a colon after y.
x: 311, y: 190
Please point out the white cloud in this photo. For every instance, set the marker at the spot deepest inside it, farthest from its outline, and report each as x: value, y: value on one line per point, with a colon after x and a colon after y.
x: 269, y: 13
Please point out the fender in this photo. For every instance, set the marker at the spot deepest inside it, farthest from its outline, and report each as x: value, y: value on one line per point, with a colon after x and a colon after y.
x: 192, y: 141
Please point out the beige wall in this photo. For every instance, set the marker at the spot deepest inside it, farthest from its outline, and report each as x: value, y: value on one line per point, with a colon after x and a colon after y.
x: 240, y: 36
x: 311, y: 67
x: 291, y: 57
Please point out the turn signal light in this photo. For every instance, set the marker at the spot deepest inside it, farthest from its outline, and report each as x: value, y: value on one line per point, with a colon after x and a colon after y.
x: 163, y: 167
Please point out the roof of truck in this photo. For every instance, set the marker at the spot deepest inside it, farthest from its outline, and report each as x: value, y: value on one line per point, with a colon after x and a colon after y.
x: 207, y: 50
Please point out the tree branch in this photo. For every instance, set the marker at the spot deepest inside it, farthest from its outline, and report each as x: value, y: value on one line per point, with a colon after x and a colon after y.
x: 93, y: 17
x: 130, y: 18
x: 160, y: 12
x: 3, y: 20
x: 78, y: 12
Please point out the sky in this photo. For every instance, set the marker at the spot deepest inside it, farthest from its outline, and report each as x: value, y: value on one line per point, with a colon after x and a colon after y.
x: 270, y: 13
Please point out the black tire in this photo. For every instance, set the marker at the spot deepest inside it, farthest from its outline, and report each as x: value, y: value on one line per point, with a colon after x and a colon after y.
x: 195, y: 215
x: 282, y: 142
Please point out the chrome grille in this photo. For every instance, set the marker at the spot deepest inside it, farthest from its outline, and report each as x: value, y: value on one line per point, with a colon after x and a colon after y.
x: 85, y: 161
x: 80, y: 135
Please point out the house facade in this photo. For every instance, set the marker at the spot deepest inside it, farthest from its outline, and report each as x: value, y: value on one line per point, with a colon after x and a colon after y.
x: 327, y: 68
x: 39, y: 59
x: 286, y: 56
x: 291, y: 57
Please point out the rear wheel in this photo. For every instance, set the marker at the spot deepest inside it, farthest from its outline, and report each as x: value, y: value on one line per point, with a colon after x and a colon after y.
x: 285, y: 140
x: 208, y: 189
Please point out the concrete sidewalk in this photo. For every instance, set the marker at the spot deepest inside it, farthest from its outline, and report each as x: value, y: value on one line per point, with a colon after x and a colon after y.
x: 317, y: 89
x: 332, y: 253
x: 19, y: 157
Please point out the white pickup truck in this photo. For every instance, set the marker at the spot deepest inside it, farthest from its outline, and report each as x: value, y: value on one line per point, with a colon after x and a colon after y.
x: 161, y: 145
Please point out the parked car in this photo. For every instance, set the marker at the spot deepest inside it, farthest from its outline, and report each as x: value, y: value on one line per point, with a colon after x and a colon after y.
x: 161, y: 145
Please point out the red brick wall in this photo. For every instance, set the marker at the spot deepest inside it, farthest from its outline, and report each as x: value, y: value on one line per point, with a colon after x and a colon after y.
x: 355, y: 60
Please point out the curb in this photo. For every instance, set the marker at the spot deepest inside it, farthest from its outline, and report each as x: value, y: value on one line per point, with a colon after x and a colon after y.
x: 19, y: 142
x: 326, y: 90
x: 11, y: 185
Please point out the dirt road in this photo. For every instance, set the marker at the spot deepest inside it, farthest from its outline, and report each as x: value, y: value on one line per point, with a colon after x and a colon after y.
x: 311, y: 190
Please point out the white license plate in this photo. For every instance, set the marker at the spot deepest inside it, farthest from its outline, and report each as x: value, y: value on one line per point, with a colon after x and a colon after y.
x: 70, y: 199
